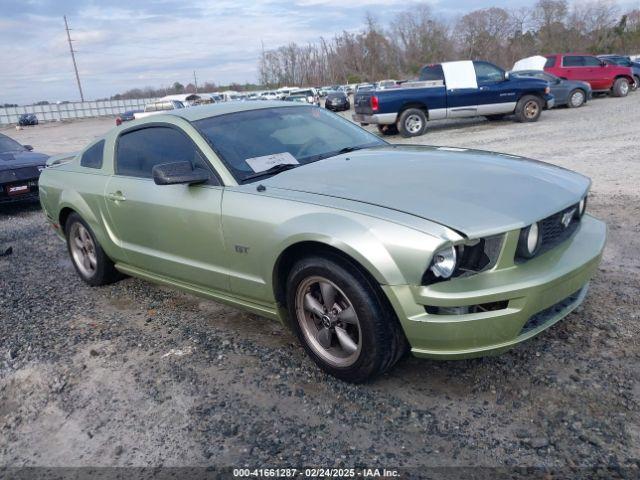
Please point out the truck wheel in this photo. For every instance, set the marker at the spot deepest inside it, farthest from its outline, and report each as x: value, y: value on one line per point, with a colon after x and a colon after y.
x: 342, y: 320
x: 620, y: 87
x: 88, y: 258
x: 388, y: 129
x: 636, y: 83
x: 576, y: 98
x: 412, y: 122
x: 528, y: 109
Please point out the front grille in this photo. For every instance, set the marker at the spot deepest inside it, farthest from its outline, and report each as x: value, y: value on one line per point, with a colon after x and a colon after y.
x: 547, y: 314
x: 553, y: 232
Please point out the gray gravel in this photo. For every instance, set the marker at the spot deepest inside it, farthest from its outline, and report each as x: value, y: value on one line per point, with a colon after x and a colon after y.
x: 136, y: 374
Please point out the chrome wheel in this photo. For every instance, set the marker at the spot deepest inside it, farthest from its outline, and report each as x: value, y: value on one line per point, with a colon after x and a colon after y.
x: 413, y: 123
x: 328, y: 321
x: 577, y: 99
x: 624, y: 88
x: 83, y: 250
x: 531, y: 109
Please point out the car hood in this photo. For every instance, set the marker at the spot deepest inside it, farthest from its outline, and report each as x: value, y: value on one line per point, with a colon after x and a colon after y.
x: 11, y: 160
x: 476, y: 193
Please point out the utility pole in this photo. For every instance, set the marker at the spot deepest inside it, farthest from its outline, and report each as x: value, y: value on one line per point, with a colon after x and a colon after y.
x: 195, y: 81
x: 73, y: 57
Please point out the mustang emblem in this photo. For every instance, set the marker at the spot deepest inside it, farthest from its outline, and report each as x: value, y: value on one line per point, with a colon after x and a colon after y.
x: 567, y: 217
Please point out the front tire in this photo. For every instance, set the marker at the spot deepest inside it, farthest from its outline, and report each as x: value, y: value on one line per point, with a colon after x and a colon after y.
x: 528, y: 109
x: 620, y: 87
x: 577, y: 98
x: 412, y: 123
x: 88, y: 257
x: 342, y: 320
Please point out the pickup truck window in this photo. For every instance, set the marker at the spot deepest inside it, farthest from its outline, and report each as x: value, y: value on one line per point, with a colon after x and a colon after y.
x: 487, y: 73
x: 92, y: 158
x: 431, y: 73
x: 138, y: 151
x: 591, y: 61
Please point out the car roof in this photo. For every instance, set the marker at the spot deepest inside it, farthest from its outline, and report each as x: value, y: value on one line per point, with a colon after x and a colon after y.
x: 205, y: 111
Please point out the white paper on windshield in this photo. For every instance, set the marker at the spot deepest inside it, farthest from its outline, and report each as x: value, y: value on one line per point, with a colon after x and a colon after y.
x: 459, y: 75
x: 260, y: 164
x: 537, y: 62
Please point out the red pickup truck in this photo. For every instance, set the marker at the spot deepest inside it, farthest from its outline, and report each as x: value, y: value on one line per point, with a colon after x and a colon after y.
x: 602, y: 76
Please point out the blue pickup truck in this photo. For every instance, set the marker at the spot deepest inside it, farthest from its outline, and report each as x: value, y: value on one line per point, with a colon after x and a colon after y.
x: 452, y: 90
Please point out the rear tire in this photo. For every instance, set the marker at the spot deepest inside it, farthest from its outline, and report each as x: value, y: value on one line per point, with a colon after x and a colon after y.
x: 528, y: 109
x: 620, y: 87
x: 88, y: 257
x: 388, y: 129
x: 355, y: 308
x: 412, y: 123
x: 577, y: 98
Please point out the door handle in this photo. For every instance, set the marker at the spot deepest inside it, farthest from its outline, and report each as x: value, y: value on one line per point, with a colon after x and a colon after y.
x: 116, y: 196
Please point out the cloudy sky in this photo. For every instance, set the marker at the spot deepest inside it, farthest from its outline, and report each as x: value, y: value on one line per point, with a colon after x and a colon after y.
x: 123, y: 44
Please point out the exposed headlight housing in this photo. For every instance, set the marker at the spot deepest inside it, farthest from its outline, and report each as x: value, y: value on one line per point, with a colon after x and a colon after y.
x: 444, y: 262
x: 529, y: 241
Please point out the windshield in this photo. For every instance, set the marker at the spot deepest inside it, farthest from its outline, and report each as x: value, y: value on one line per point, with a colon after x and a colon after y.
x: 9, y: 145
x: 298, y: 134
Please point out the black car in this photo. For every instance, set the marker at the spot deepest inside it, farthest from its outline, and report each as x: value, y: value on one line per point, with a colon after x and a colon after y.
x: 572, y: 93
x: 27, y: 120
x: 337, y: 101
x: 127, y: 116
x: 19, y: 171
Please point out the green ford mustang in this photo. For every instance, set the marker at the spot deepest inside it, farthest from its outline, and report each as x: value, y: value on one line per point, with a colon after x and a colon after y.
x: 365, y: 249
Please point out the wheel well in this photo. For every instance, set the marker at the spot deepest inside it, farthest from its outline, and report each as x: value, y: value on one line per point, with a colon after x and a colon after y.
x: 295, y: 252
x: 419, y: 106
x: 64, y: 214
x: 626, y: 77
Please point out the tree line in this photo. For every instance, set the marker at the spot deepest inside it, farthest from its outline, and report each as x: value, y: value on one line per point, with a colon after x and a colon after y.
x: 417, y: 36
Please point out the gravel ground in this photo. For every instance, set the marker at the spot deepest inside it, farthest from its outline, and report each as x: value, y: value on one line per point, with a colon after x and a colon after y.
x: 136, y: 374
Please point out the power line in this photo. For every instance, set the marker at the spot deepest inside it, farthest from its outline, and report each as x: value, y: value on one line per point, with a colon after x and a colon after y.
x: 73, y: 57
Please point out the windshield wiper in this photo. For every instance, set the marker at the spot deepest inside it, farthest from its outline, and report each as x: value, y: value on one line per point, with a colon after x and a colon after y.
x: 281, y: 167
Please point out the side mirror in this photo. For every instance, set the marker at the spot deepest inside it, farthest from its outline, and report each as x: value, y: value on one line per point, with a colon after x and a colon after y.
x: 28, y: 147
x: 178, y: 172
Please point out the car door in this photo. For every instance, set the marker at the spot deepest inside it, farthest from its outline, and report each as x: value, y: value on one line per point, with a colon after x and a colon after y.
x: 494, y: 95
x: 462, y: 89
x: 573, y: 68
x: 599, y: 76
x: 169, y: 230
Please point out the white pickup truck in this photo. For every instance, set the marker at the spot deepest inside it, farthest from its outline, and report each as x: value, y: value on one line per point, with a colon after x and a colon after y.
x: 159, y: 107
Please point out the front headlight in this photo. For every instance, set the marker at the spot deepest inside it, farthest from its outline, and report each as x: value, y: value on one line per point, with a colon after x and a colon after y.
x: 529, y: 241
x: 444, y: 262
x: 582, y: 206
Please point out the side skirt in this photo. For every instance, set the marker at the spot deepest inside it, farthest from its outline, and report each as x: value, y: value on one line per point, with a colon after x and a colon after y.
x: 264, y: 310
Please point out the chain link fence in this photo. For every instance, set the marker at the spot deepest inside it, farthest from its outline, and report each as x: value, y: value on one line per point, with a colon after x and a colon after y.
x: 68, y: 111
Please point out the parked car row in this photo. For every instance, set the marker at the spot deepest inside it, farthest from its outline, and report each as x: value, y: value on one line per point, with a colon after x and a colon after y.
x: 479, y: 88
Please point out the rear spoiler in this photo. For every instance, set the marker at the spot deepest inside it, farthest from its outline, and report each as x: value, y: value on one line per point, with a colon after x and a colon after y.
x: 57, y: 160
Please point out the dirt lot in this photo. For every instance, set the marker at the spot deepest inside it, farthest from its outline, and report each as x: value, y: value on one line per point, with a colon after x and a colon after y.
x: 136, y: 374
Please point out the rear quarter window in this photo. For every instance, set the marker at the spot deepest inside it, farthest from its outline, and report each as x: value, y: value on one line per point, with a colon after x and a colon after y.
x: 432, y: 72
x: 551, y: 62
x: 92, y: 157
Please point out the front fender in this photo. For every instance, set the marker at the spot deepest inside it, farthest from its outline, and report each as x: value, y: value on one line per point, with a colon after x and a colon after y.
x: 391, y: 253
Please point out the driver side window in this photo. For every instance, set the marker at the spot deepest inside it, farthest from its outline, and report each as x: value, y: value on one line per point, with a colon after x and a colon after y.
x: 486, y: 73
x: 138, y: 151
